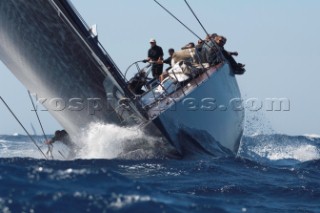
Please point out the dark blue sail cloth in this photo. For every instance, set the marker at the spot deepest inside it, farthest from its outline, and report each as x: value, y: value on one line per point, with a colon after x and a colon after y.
x: 49, y: 48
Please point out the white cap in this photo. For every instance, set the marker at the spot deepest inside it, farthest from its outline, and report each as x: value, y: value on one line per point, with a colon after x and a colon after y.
x: 152, y: 40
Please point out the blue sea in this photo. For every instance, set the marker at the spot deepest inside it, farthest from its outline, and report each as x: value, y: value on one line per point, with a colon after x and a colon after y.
x: 271, y: 173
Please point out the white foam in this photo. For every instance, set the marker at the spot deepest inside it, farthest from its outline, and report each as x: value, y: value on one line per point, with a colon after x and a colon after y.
x: 106, y: 141
x: 312, y: 136
x: 99, y: 141
x: 302, y: 153
x: 122, y: 201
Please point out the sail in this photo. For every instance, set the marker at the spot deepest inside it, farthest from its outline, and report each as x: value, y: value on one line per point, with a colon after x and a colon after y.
x: 49, y: 48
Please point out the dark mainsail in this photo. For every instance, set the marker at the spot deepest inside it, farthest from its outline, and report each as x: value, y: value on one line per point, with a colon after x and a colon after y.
x: 51, y: 50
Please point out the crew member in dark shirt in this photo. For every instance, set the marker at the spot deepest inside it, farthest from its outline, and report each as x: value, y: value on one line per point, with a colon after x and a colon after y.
x: 62, y: 136
x: 167, y: 61
x: 137, y: 82
x: 238, y: 68
x: 155, y: 55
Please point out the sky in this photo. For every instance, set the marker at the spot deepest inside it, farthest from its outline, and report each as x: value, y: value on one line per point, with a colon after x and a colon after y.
x: 277, y: 40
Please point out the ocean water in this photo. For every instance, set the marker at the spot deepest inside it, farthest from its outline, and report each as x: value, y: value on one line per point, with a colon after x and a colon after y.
x: 271, y: 173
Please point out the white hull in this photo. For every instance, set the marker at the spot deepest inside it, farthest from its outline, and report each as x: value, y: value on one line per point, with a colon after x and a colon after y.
x: 207, y: 114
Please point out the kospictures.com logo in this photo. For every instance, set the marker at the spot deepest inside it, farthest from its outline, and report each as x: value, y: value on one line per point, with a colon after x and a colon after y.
x: 93, y: 105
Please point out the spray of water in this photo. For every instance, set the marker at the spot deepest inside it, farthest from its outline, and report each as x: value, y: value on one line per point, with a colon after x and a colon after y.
x: 261, y: 143
x: 98, y: 141
x: 256, y: 123
x: 106, y: 141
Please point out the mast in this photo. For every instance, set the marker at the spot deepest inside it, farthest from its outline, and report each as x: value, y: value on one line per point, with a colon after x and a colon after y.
x: 80, y: 25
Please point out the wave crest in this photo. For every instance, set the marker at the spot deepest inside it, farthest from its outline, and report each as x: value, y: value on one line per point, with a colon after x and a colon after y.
x: 280, y: 149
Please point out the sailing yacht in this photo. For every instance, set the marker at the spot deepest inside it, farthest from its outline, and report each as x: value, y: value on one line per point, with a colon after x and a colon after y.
x: 48, y: 46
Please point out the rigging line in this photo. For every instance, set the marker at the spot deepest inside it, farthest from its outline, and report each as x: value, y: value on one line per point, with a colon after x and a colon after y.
x: 177, y: 19
x: 35, y: 110
x: 44, y: 134
x: 194, y: 14
x: 23, y: 127
x: 181, y: 23
x: 204, y: 29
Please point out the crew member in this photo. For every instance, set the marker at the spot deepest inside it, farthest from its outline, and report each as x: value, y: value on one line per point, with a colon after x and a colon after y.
x: 62, y: 136
x: 136, y: 83
x: 155, y: 56
x: 238, y: 68
x: 167, y: 61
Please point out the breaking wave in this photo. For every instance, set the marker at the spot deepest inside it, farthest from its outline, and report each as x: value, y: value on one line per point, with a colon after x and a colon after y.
x: 280, y: 149
x: 106, y: 141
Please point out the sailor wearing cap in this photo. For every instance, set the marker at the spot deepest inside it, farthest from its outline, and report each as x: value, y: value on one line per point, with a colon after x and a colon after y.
x: 155, y: 56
